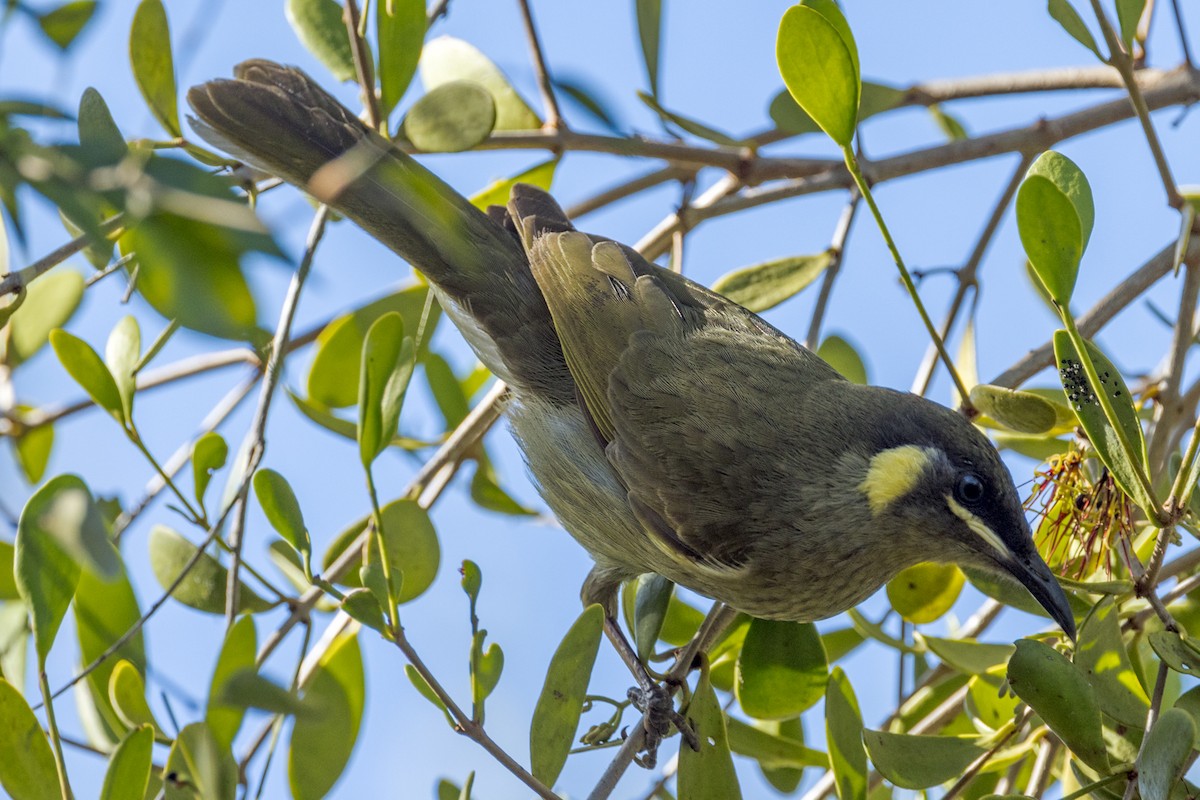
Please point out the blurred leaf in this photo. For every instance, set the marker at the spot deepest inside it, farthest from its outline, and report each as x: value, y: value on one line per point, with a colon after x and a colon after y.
x: 472, y: 581
x: 1061, y: 696
x: 1165, y: 755
x: 497, y: 192
x: 1095, y: 423
x: 447, y: 391
x: 238, y: 652
x: 208, y: 455
x: 321, y: 29
x: 950, y: 126
x: 486, y: 666
x: 8, y: 584
x: 426, y: 691
x: 919, y: 762
x: 282, y: 509
x: 651, y: 600
x: 200, y: 766
x: 707, y: 774
x: 33, y: 776
x: 586, y: 98
x: 84, y: 365
x: 680, y: 623
x: 63, y: 24
x: 924, y: 592
x: 841, y: 355
x: 1054, y: 217
x: 46, y: 575
x: 104, y: 613
x: 782, y: 669
x: 121, y: 355
x: 334, y: 375
x: 99, y: 135
x: 401, y: 31
x: 1039, y: 448
x: 361, y: 605
x: 967, y: 655
x: 768, y: 284
x: 447, y: 59
x: 840, y: 643
x: 1129, y: 13
x: 127, y: 693
x: 323, y: 742
x: 487, y: 492
x: 412, y: 547
x: 818, y: 60
x: 33, y: 449
x: 649, y: 23
x: 203, y: 588
x: 451, y: 117
x: 387, y: 367
x: 1017, y: 410
x: 556, y: 716
x: 128, y: 774
x: 14, y: 633
x: 247, y: 689
x: 1066, y: 16
x: 153, y: 64
x: 843, y: 732
x: 1101, y: 658
x: 692, y: 126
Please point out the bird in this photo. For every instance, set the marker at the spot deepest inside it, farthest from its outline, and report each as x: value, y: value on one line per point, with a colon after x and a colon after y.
x: 669, y: 429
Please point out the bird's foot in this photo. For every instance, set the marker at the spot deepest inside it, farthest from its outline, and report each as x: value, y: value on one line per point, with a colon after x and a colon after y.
x: 658, y: 709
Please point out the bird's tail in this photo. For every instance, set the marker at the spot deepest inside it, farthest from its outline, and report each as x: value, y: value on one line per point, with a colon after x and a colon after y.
x: 279, y: 120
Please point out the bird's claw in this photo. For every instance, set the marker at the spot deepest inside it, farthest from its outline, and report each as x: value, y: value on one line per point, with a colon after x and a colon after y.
x: 659, y: 714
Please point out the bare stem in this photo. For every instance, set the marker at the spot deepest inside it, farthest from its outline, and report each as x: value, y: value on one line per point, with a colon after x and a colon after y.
x: 554, y: 120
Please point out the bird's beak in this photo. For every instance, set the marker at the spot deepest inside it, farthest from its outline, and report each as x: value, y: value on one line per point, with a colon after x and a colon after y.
x: 1035, y: 576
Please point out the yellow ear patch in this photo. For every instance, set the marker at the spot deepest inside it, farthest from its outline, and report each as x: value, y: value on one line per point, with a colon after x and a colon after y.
x: 893, y: 473
x: 977, y: 526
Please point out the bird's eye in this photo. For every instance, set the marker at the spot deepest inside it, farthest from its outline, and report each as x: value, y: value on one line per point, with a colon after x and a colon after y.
x: 969, y: 489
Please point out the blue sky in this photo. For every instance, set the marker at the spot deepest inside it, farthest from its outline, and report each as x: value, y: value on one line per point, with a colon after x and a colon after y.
x: 718, y: 66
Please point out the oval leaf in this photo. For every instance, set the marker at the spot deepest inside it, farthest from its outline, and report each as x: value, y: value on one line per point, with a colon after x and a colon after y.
x: 1054, y: 217
x: 651, y: 600
x: 197, y: 762
x: 707, y: 773
x: 121, y: 355
x: 967, y: 655
x: 1019, y: 411
x: 203, y: 588
x: 323, y: 741
x: 453, y: 117
x: 781, y: 670
x: 556, y: 715
x: 84, y: 365
x: 127, y: 693
x: 321, y: 29
x: 208, y: 455
x: 841, y: 355
x: 843, y: 733
x: 128, y: 772
x: 279, y: 503
x: 1061, y: 696
x: 919, y: 762
x: 401, y: 28
x: 46, y: 575
x: 32, y: 776
x: 1165, y: 754
x: 153, y: 64
x: 924, y: 592
x: 818, y: 60
x: 766, y: 285
x: 99, y: 135
x: 237, y: 654
x: 447, y: 59
x: 387, y: 365
x: 412, y: 547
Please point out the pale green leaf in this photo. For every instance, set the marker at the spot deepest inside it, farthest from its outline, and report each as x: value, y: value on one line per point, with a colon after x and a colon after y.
x: 320, y: 27
x: 153, y: 64
x: 322, y: 742
x: 128, y: 772
x: 497, y: 192
x: 924, y: 592
x: 49, y: 303
x: 282, y: 510
x: 121, y: 355
x: 208, y: 455
x: 84, y: 365
x: 237, y: 653
x: 203, y: 587
x: 32, y: 776
x: 818, y: 60
x: 1055, y: 214
x: 1065, y: 15
x: 649, y: 23
x: 843, y: 733
x: 447, y: 59
x: 781, y: 670
x: 451, y: 117
x: 841, y: 355
x: 766, y: 285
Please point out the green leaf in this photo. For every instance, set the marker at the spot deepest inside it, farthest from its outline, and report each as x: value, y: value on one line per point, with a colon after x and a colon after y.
x: 387, y: 366
x: 282, y: 509
x: 818, y: 60
x: 412, y: 547
x: 556, y: 716
x: 924, y: 592
x: 841, y: 355
x: 84, y: 365
x: 487, y: 492
x: 237, y: 653
x: 197, y: 762
x: 651, y: 600
x: 99, y: 135
x: 920, y: 762
x: 247, y: 689
x: 472, y: 581
x: 1066, y: 16
x: 967, y: 655
x: 63, y: 24
x: 1019, y: 411
x: 128, y: 773
x: 781, y: 670
x: 153, y: 64
x: 32, y: 776
x: 8, y: 584
x: 50, y: 301
x: 1129, y: 12
x: 681, y: 623
x: 707, y: 774
x: 784, y: 779
x: 127, y: 693
x: 33, y: 449
x: 843, y: 733
x: 690, y: 125
x: 360, y: 604
x: 121, y: 355
x: 451, y: 117
x: 426, y: 691
x: 208, y: 455
x: 1104, y: 437
x: 401, y: 31
x: 46, y: 571
x: 104, y: 612
x: 322, y: 30
x: 323, y: 742
x: 649, y: 23
x: 447, y: 391
x: 1061, y: 696
x: 486, y: 665
x: 950, y: 125
x: 1054, y: 217
x: 447, y: 59
x: 768, y: 284
x: 1165, y: 754
x: 14, y: 630
x: 497, y: 192
x: 1176, y: 652
x: 1101, y: 658
x: 203, y: 588
x: 769, y: 749
x: 988, y: 702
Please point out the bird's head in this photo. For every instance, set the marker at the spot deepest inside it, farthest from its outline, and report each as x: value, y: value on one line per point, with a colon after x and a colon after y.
x: 933, y: 475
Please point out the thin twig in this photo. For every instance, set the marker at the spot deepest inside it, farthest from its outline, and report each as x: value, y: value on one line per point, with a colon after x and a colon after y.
x: 554, y: 120
x: 837, y: 249
x: 13, y: 282
x: 363, y: 66
x: 1183, y: 38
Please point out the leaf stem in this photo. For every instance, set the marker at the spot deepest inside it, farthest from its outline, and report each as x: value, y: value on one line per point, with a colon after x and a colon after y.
x: 60, y: 764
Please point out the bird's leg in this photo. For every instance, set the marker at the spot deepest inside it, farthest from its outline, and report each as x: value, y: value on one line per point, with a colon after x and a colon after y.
x: 653, y: 699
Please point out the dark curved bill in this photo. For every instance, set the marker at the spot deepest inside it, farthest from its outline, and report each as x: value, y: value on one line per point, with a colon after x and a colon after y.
x: 1035, y: 576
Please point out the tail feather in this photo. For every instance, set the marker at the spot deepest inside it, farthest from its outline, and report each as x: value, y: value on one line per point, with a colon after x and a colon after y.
x: 277, y: 119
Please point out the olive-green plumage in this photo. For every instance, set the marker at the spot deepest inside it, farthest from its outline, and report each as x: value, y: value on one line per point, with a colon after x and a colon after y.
x: 670, y: 430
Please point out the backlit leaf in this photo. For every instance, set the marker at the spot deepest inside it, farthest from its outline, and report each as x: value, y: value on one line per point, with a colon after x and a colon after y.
x: 768, y: 284
x: 707, y: 774
x: 782, y: 669
x: 153, y: 64
x: 924, y: 592
x: 401, y: 30
x: 321, y: 29
x: 818, y: 60
x: 843, y: 732
x: 1055, y: 214
x: 1019, y: 411
x: 128, y: 772
x: 50, y: 301
x: 451, y: 117
x: 322, y: 742
x: 46, y: 574
x: 63, y: 25
x: 282, y: 509
x: 198, y: 762
x: 237, y: 654
x: 85, y: 366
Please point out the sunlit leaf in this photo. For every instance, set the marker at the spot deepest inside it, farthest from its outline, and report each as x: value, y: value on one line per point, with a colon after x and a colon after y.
x: 282, y: 510
x: 153, y: 64
x: 387, y: 367
x: 919, y: 762
x: 843, y: 732
x: 128, y: 772
x: 401, y: 30
x: 127, y: 693
x: 967, y: 655
x: 49, y: 303
x: 841, y: 355
x: 33, y: 449
x: 782, y: 669
x: 768, y: 284
x: 818, y: 60
x: 89, y: 371
x: 63, y: 24
x: 447, y: 59
x: 1017, y: 410
x: 497, y: 192
x: 121, y: 355
x: 321, y: 29
x: 1054, y: 217
x: 924, y: 592
x: 707, y: 774
x: 33, y: 775
x: 322, y: 742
